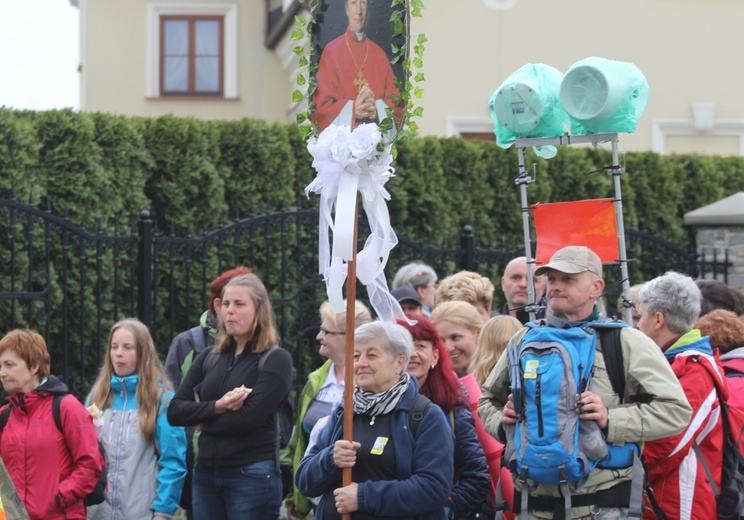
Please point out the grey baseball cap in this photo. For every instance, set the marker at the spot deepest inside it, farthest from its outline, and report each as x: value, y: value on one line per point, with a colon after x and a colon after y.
x: 406, y: 293
x: 573, y: 260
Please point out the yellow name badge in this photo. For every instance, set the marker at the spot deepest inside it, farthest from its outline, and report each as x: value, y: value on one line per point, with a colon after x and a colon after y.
x: 530, y: 369
x: 379, y: 446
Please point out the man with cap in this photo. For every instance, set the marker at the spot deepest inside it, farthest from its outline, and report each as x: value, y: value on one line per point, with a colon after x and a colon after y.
x: 409, y: 300
x: 660, y: 409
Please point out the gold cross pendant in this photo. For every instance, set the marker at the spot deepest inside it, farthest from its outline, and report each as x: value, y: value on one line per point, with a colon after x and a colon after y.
x: 360, y: 81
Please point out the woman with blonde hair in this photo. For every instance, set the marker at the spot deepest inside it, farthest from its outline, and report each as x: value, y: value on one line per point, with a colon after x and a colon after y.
x: 492, y: 341
x: 237, y: 473
x: 459, y: 324
x: 147, y: 456
x: 324, y: 388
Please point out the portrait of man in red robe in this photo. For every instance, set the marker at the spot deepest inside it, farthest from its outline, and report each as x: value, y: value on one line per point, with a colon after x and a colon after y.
x: 355, y: 80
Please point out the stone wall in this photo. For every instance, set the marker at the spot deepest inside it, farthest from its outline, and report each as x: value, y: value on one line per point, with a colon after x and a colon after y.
x: 715, y: 240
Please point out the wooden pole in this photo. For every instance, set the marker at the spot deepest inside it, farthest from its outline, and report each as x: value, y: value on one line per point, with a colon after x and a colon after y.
x: 349, y: 354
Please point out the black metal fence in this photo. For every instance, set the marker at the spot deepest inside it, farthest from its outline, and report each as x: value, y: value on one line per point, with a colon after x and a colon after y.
x: 72, y: 284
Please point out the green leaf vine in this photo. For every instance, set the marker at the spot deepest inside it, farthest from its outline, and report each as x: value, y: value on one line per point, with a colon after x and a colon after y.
x: 410, y: 55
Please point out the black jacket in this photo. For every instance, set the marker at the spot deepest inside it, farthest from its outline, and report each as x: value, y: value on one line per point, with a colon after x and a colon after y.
x: 244, y: 436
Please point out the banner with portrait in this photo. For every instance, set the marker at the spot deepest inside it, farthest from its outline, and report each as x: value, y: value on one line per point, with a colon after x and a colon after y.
x: 357, y: 68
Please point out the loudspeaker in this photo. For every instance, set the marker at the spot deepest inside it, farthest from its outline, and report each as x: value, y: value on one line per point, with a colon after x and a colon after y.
x: 602, y: 95
x: 527, y: 104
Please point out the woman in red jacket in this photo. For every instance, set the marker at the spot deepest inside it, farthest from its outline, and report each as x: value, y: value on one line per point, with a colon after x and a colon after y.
x: 52, y: 470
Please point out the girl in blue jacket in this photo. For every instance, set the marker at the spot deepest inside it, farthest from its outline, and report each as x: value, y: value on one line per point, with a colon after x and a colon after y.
x: 146, y: 455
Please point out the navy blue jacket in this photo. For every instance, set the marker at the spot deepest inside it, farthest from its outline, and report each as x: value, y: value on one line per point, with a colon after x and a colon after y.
x: 425, y: 466
x: 471, y: 469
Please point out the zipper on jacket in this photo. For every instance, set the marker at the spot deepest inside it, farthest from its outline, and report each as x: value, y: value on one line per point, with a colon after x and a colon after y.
x: 538, y: 402
x: 118, y: 453
x: 129, y: 424
x: 111, y: 424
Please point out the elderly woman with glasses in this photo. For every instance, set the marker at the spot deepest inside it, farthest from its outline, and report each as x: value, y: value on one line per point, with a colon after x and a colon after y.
x: 401, y: 454
x: 324, y: 388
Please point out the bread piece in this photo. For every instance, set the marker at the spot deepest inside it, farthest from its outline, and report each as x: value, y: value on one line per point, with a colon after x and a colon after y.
x: 95, y: 411
x: 242, y: 389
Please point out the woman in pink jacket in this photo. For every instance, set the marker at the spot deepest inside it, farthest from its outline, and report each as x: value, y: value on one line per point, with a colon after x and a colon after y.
x: 52, y: 470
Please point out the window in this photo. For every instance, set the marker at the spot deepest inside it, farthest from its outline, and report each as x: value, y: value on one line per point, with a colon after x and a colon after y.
x: 191, y: 55
x: 192, y: 50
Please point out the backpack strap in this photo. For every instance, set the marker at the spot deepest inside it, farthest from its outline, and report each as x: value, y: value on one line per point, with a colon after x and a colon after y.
x: 262, y: 357
x: 56, y: 411
x: 419, y: 407
x: 198, y: 338
x: 612, y: 351
x: 277, y: 437
x: 5, y: 416
x: 704, y: 463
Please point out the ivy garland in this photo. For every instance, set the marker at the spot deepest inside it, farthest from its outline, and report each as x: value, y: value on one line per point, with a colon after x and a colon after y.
x: 409, y: 86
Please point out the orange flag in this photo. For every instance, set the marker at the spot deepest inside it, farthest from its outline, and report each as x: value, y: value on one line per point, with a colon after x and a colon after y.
x: 588, y: 223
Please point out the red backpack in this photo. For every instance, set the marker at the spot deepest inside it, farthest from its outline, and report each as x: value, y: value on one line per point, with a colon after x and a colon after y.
x: 730, y: 498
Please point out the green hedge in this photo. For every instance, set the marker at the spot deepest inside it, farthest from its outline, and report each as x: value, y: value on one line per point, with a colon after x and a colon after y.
x: 190, y: 173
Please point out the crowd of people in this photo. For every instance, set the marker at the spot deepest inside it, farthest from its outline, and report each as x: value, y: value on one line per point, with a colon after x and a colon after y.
x: 442, y: 426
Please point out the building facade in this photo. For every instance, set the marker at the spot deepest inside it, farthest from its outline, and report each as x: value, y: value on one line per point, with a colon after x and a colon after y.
x: 228, y: 59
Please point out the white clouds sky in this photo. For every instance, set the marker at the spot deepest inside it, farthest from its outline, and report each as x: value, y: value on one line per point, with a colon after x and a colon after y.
x: 39, y: 54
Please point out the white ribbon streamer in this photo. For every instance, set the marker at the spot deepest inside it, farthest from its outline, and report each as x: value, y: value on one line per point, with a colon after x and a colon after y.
x: 348, y: 162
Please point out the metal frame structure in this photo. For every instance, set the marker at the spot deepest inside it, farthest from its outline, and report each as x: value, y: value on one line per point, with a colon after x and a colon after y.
x: 616, y: 170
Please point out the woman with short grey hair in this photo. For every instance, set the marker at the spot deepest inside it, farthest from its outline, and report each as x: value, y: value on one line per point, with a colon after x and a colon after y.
x: 402, y: 448
x: 674, y: 295
x: 394, y: 339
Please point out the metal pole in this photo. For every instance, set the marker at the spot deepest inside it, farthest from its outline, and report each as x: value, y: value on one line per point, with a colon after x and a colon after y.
x: 616, y: 171
x: 522, y: 180
x: 145, y: 269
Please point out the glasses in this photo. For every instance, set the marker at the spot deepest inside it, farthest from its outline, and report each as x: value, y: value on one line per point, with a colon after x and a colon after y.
x: 327, y: 332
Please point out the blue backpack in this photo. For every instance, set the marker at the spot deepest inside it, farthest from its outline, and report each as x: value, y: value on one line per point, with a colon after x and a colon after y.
x: 549, y: 367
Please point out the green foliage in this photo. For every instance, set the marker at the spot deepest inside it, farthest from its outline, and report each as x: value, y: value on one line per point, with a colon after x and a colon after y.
x: 258, y: 164
x: 184, y: 179
x: 191, y: 173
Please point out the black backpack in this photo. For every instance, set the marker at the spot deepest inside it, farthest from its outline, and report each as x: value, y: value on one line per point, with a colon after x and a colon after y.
x: 98, y: 495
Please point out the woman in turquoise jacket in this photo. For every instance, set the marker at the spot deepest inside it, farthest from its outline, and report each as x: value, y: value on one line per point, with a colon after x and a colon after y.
x: 146, y: 455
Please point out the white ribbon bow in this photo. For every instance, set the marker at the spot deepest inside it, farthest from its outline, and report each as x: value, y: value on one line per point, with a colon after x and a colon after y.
x: 348, y: 162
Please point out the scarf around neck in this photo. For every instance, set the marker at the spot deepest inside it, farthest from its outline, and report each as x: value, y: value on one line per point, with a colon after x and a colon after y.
x: 366, y: 402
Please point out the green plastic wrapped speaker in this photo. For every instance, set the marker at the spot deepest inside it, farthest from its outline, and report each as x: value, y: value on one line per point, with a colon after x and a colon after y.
x: 527, y: 104
x: 602, y: 95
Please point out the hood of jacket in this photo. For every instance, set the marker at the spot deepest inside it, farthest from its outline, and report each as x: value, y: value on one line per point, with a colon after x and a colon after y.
x: 51, y: 385
x: 693, y: 340
x: 737, y: 353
